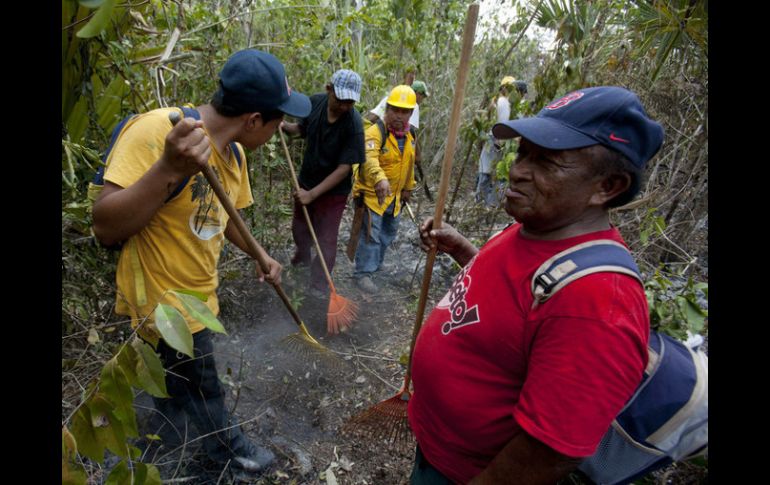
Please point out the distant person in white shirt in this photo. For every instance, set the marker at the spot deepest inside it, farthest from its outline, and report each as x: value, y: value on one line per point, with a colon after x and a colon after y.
x: 491, y: 152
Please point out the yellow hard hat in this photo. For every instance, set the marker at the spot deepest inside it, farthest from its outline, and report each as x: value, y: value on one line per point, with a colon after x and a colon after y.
x: 507, y: 80
x: 402, y: 96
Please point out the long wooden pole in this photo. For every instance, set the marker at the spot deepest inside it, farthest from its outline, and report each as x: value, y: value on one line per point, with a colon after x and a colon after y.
x: 446, y: 168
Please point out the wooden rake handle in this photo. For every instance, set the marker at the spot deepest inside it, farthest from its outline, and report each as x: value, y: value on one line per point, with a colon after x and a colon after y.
x: 252, y: 243
x: 304, y: 211
x: 446, y: 170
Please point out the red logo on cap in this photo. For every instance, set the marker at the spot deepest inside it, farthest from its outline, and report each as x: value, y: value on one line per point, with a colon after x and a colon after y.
x: 287, y: 85
x: 615, y: 138
x: 560, y: 103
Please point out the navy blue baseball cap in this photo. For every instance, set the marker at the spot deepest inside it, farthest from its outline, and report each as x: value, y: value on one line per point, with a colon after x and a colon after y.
x: 252, y: 80
x: 605, y: 115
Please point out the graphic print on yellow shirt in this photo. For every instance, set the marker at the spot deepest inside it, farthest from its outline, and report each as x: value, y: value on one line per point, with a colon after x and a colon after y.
x: 180, y: 246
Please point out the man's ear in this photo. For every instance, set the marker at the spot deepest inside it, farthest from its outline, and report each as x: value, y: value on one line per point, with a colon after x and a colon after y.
x: 253, y: 120
x: 610, y: 187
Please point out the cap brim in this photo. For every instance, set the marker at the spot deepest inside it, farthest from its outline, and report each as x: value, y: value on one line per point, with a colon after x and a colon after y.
x: 543, y: 132
x: 346, y: 94
x: 298, y: 105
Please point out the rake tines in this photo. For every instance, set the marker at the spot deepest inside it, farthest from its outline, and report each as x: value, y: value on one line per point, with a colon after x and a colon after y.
x: 341, y: 313
x: 305, y: 346
x: 386, y: 423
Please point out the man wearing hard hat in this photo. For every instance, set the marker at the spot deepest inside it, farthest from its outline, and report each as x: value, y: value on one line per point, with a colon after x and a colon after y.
x: 384, y: 181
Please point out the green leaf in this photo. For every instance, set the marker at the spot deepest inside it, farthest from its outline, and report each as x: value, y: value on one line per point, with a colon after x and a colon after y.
x: 78, y: 120
x: 126, y: 360
x: 149, y: 370
x: 200, y: 312
x: 114, y: 384
x: 120, y: 475
x: 69, y: 446
x: 108, y: 106
x: 83, y: 431
x: 72, y: 474
x: 196, y: 294
x: 108, y: 429
x: 693, y: 314
x: 153, y: 476
x: 91, y: 3
x: 174, y: 329
x: 99, y: 21
x: 644, y: 236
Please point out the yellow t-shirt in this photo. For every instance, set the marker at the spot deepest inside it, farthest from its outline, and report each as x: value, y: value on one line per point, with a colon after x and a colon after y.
x: 181, y: 245
x: 386, y: 163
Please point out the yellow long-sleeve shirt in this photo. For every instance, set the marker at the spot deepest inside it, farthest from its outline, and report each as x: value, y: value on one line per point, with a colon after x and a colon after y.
x: 386, y: 163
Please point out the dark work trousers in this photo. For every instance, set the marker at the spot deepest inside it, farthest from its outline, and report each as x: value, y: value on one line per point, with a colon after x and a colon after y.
x: 195, y: 390
x: 325, y: 215
x: 423, y: 472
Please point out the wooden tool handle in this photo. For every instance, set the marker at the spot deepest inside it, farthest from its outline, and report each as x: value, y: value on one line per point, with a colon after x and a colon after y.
x: 304, y: 211
x: 446, y: 168
x: 252, y: 243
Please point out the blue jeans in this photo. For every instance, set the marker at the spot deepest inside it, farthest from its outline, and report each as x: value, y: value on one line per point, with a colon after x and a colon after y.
x: 372, y: 244
x: 485, y: 190
x: 423, y: 472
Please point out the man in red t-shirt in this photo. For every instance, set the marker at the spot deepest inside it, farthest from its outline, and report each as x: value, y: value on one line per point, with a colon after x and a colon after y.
x: 508, y: 392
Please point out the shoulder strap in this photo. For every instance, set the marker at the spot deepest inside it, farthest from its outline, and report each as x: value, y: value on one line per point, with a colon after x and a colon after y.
x: 99, y: 176
x: 237, y: 152
x: 383, y: 132
x: 602, y: 255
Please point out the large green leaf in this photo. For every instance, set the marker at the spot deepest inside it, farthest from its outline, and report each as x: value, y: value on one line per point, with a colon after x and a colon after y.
x: 108, y: 429
x: 120, y: 475
x: 108, y: 107
x: 199, y: 311
x: 91, y: 3
x: 114, y: 384
x: 173, y: 327
x: 85, y: 436
x: 99, y: 21
x: 78, y: 120
x: 126, y: 359
x: 693, y: 314
x: 149, y: 369
x: 143, y: 474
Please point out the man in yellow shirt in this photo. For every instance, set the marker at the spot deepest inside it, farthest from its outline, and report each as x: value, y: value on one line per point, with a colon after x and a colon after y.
x: 385, y: 179
x: 171, y: 242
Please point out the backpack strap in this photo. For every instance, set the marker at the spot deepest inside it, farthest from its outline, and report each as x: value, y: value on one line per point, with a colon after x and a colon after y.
x: 383, y: 132
x: 602, y: 255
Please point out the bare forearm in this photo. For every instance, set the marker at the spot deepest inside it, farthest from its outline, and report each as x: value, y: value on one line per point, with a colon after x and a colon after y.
x: 464, y: 252
x: 120, y: 213
x: 526, y: 460
x: 331, y: 181
x: 291, y: 128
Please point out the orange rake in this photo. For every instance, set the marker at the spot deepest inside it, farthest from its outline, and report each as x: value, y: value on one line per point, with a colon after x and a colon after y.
x: 341, y: 312
x: 388, y: 420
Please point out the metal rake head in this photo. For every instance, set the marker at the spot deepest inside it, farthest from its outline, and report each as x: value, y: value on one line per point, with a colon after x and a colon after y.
x: 305, y: 346
x: 386, y: 423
